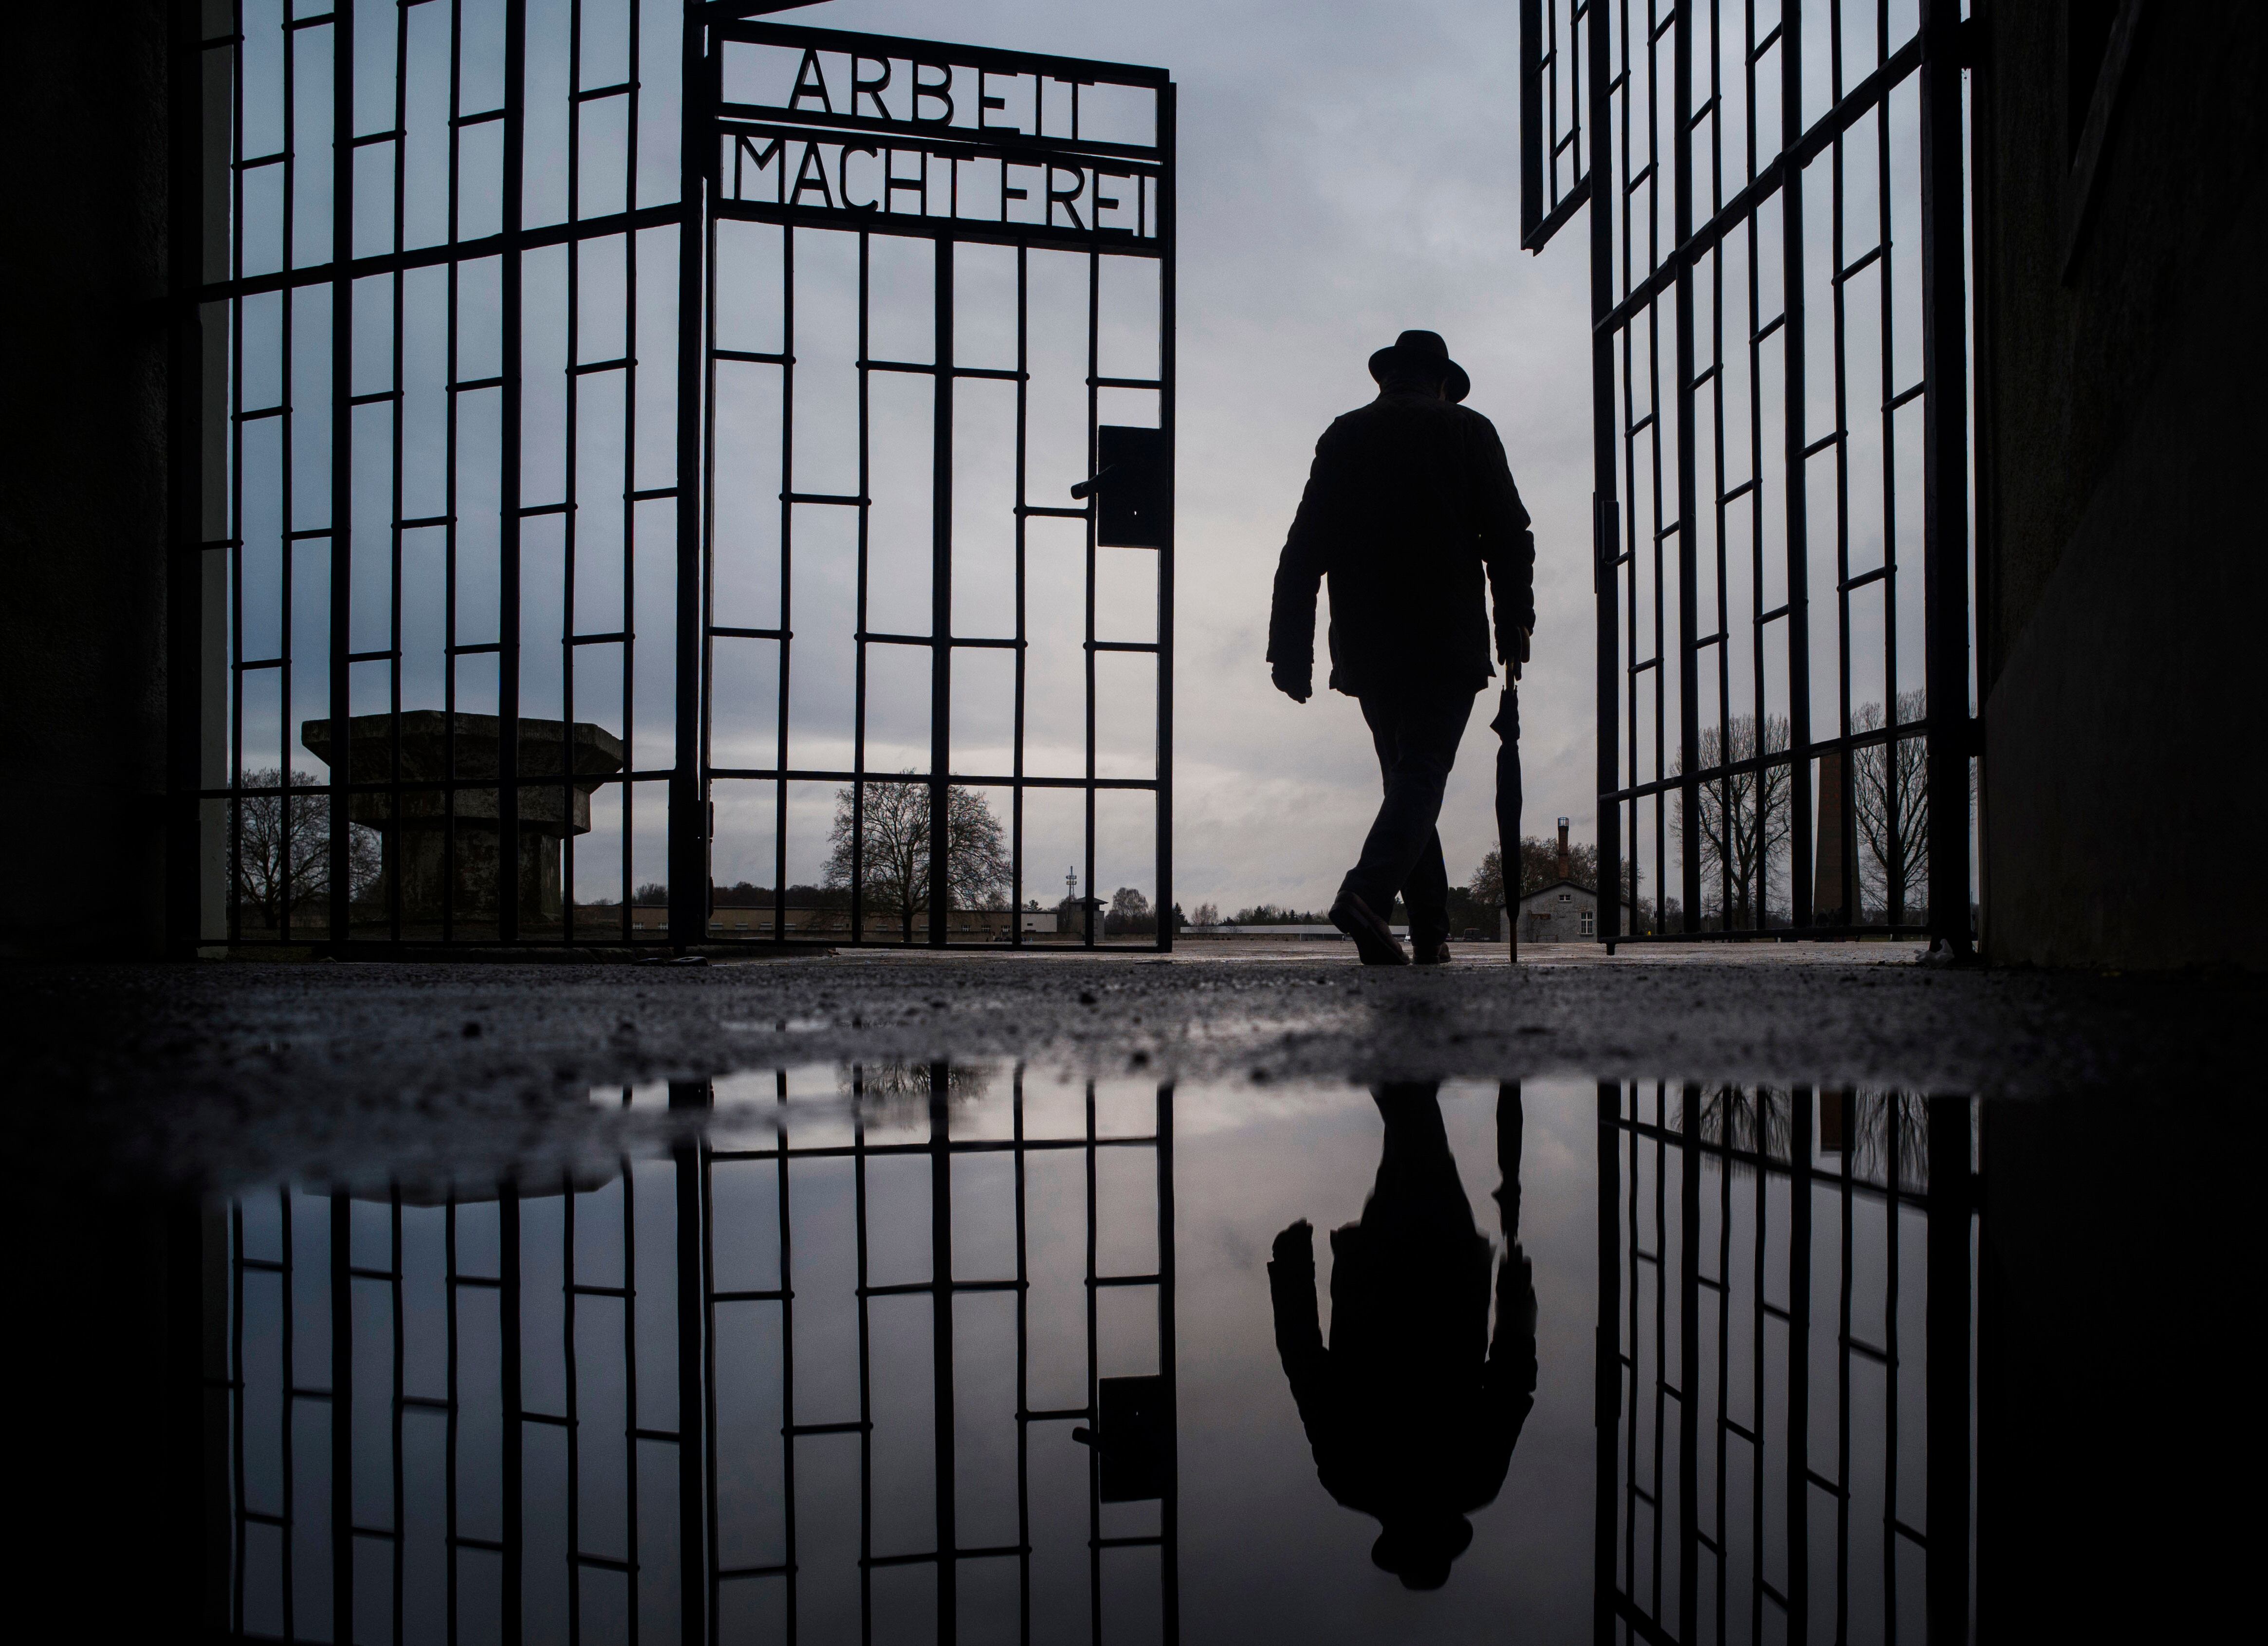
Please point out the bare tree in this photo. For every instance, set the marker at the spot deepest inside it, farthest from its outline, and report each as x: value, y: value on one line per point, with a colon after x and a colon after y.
x: 892, y: 837
x: 1889, y: 803
x: 1487, y: 884
x: 977, y: 860
x: 1207, y: 914
x: 1751, y: 1123
x: 1744, y: 819
x: 1878, y: 1132
x: 1539, y: 863
x: 285, y: 847
x: 1128, y: 914
x: 1891, y: 1135
x: 891, y: 1084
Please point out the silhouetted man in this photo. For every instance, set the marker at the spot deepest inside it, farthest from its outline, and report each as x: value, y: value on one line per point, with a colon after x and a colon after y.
x: 1409, y: 500
x: 1413, y: 1410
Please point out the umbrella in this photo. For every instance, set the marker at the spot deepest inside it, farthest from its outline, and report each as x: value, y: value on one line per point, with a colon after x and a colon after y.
x: 1506, y: 726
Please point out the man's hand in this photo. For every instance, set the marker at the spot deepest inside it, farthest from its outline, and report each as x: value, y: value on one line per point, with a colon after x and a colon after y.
x: 1295, y: 1247
x: 1298, y: 687
x: 1516, y: 653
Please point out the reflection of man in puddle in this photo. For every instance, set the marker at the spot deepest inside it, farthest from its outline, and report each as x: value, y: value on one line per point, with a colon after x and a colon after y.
x: 1413, y: 1410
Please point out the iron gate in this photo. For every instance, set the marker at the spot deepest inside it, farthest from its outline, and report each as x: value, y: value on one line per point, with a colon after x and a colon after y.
x: 1779, y: 1270
x: 824, y: 1381
x: 505, y: 630
x: 950, y: 192
x: 1761, y: 800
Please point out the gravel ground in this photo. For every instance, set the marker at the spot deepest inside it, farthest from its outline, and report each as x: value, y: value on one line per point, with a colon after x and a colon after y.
x: 225, y: 1071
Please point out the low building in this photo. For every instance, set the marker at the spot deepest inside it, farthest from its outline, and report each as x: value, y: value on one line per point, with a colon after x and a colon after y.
x: 1276, y: 933
x: 738, y: 920
x: 1564, y: 911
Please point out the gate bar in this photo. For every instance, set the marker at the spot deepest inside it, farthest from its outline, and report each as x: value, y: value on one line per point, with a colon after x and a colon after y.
x: 340, y: 488
x: 689, y: 819
x: 941, y: 668
x: 1169, y: 218
x: 508, y: 488
x: 1945, y: 475
x: 1605, y: 510
x: 1946, y: 1370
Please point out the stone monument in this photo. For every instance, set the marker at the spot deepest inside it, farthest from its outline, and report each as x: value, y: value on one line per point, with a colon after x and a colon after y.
x: 559, y: 766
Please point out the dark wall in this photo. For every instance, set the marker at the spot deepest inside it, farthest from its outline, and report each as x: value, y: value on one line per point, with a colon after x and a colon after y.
x: 82, y: 492
x: 2120, y: 531
x: 119, y: 1375
x: 2115, y: 1396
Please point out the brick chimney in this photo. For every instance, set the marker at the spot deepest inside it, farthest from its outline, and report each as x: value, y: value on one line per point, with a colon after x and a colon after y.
x: 1566, y: 869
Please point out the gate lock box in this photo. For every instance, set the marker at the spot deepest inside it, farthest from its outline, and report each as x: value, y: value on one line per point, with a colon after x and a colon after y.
x: 1134, y: 1443
x: 1129, y: 486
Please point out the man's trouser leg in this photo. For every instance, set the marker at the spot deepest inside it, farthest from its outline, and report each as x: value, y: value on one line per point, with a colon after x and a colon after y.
x: 1417, y: 740
x: 1418, y: 1197
x: 1426, y: 894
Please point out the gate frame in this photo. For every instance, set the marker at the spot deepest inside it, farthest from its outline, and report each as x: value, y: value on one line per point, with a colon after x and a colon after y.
x: 205, y: 666
x: 1936, y: 55
x: 705, y: 122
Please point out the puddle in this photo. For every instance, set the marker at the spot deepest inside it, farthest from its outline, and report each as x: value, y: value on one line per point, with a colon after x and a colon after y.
x: 906, y: 1354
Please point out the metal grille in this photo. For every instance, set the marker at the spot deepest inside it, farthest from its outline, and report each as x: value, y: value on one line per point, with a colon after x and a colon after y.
x: 1740, y: 1496
x: 1779, y: 412
x: 892, y: 519
x: 591, y: 1411
x: 460, y: 538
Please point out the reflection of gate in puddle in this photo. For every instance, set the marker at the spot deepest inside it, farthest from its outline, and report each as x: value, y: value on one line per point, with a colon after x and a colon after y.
x: 747, y: 1394
x: 1829, y: 1232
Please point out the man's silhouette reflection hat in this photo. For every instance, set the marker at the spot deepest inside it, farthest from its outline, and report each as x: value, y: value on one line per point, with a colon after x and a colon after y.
x: 1418, y: 1549
x: 1420, y: 354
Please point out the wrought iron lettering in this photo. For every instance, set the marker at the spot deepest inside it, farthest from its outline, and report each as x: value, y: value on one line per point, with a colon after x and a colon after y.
x: 823, y: 173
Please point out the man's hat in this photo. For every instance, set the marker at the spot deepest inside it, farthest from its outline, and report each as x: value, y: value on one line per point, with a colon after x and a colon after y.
x: 1421, y: 354
x: 1419, y: 1547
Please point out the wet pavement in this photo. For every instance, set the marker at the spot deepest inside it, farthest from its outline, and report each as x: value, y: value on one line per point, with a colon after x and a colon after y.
x: 1824, y: 1297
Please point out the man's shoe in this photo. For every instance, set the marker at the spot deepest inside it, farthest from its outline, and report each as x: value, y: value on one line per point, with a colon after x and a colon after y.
x: 1374, y: 939
x: 1429, y: 950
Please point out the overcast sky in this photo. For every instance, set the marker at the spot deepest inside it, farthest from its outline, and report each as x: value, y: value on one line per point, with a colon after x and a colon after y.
x: 1349, y: 168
